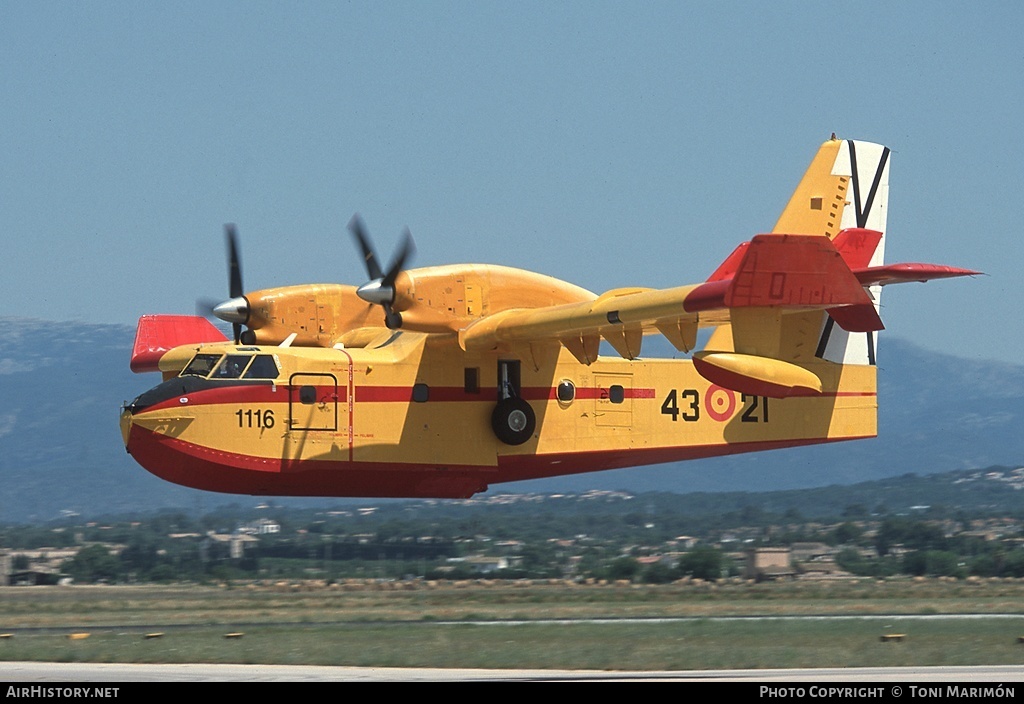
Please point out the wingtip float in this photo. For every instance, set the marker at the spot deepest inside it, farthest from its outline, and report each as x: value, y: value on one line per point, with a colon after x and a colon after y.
x: 440, y: 381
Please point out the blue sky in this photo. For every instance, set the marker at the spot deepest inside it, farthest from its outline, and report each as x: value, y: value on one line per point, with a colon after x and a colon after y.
x: 608, y: 144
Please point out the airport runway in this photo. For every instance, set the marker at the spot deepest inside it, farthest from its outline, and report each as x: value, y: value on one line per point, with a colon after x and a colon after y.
x: 39, y: 672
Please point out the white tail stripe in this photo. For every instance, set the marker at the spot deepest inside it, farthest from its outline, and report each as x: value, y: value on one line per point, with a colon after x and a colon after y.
x: 867, y: 167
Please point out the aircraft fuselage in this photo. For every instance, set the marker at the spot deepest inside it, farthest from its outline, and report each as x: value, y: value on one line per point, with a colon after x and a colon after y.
x: 415, y: 415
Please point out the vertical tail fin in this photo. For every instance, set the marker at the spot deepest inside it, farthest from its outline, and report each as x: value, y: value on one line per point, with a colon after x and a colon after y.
x: 866, y: 165
x: 846, y: 186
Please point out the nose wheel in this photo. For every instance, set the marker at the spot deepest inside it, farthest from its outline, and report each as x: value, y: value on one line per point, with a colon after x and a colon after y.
x: 513, y: 421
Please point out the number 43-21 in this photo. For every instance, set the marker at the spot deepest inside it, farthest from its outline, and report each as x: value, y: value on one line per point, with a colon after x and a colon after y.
x: 685, y: 404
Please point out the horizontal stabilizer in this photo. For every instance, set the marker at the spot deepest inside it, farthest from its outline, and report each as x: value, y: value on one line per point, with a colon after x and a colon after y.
x: 791, y: 271
x: 756, y: 376
x: 158, y: 334
x: 902, y: 273
x: 727, y: 269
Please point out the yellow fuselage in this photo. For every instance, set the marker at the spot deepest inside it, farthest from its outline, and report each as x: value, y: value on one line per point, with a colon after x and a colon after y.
x: 411, y: 415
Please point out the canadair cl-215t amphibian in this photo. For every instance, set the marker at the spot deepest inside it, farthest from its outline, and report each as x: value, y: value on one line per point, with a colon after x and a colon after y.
x: 440, y: 381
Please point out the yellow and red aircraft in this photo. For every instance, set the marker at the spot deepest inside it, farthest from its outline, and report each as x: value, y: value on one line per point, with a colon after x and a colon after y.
x: 479, y: 374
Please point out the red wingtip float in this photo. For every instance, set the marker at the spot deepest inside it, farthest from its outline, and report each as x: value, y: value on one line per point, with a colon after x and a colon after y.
x: 439, y: 382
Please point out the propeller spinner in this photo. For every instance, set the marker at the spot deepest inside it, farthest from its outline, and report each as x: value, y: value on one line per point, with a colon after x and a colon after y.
x: 380, y: 289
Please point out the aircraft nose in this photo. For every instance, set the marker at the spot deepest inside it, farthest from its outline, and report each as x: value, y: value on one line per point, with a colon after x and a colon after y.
x: 126, y: 426
x: 235, y: 310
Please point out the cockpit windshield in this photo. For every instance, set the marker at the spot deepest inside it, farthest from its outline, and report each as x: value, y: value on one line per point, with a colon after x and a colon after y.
x: 201, y: 365
x: 232, y: 366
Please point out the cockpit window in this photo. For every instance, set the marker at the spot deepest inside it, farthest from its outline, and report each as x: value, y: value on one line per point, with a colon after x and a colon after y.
x: 232, y: 366
x: 201, y: 365
x: 262, y: 367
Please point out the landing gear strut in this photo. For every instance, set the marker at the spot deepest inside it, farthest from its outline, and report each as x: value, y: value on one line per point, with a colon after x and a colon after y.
x: 512, y: 420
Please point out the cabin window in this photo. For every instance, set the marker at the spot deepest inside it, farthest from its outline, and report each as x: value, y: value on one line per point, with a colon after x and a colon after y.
x: 420, y: 393
x: 307, y: 395
x: 472, y: 385
x: 616, y: 394
x: 263, y: 367
x: 566, y: 391
x: 201, y: 365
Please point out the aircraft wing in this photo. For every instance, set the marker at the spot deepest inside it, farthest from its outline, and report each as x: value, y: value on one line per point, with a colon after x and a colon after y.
x: 772, y: 274
x: 621, y: 316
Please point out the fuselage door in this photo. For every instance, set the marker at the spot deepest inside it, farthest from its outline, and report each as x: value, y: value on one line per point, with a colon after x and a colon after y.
x: 313, y: 402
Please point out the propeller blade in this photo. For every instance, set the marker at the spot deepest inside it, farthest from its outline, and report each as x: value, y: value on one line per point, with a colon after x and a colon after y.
x: 234, y: 264
x: 392, y: 320
x: 407, y: 249
x: 358, y: 230
x: 235, y: 310
x: 235, y: 289
x: 380, y: 289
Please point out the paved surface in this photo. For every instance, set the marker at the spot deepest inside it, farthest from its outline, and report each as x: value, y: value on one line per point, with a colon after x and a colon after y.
x: 33, y: 672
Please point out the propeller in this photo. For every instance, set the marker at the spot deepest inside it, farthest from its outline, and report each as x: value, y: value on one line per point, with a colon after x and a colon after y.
x: 380, y: 289
x: 235, y: 310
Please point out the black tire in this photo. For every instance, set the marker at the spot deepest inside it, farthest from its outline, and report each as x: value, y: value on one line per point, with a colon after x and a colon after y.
x: 513, y: 421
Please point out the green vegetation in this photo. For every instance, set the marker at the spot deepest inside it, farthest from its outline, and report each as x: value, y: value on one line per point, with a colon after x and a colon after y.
x: 612, y: 646
x: 653, y: 538
x: 383, y: 624
x: 407, y: 583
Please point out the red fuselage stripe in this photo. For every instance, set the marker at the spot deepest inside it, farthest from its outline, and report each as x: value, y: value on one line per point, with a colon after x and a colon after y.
x: 214, y: 470
x: 265, y: 394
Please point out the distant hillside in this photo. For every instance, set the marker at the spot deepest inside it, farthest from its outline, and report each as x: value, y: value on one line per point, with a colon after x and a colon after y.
x: 975, y: 494
x: 993, y: 490
x: 62, y: 385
